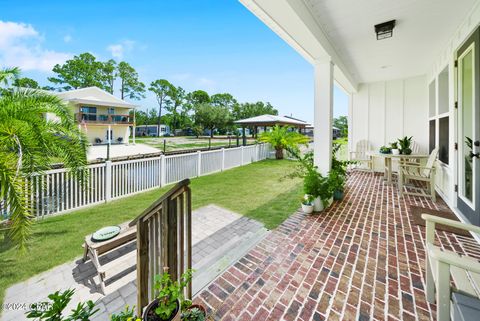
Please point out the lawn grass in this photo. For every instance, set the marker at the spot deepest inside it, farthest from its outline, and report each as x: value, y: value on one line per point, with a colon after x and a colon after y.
x: 254, y: 190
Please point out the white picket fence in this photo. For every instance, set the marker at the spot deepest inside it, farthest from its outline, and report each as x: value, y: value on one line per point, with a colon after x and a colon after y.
x: 57, y: 191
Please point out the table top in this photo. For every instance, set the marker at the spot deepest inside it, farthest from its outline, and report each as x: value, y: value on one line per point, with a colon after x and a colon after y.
x: 378, y: 154
x: 126, y: 234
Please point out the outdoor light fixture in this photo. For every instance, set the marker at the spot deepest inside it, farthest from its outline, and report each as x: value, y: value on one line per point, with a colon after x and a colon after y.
x: 385, y: 30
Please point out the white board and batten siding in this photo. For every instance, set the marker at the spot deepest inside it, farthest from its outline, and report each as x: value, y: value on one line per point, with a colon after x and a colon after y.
x: 56, y: 191
x: 385, y: 111
x: 446, y: 174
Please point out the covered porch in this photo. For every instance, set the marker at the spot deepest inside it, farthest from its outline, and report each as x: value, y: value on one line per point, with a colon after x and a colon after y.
x: 418, y: 78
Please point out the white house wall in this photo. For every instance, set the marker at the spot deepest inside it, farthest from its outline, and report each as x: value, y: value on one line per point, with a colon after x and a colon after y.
x: 446, y: 174
x: 385, y: 111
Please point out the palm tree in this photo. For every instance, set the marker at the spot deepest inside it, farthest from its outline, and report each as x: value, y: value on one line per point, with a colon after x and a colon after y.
x: 28, y: 143
x: 281, y: 137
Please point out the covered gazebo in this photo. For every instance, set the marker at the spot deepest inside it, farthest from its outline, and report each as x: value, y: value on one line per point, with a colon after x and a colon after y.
x: 264, y: 121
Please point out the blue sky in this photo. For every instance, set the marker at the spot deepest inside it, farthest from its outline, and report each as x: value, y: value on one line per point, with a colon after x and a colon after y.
x: 214, y: 45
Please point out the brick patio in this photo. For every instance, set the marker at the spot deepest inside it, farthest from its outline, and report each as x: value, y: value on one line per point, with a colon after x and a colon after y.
x: 362, y: 259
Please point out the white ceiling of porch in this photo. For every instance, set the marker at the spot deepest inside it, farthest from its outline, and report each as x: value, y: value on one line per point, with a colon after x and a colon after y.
x: 423, y: 29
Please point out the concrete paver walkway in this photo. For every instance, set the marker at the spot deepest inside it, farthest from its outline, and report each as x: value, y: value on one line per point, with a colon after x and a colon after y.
x: 212, y: 227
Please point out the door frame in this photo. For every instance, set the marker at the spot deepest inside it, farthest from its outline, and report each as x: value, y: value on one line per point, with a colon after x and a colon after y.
x: 472, y: 40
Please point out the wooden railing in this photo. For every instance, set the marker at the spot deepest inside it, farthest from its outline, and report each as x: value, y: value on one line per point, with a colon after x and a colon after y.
x: 164, y: 239
x: 103, y: 119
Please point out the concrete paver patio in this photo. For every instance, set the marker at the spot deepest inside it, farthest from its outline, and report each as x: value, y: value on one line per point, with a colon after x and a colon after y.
x: 211, y: 225
x: 362, y: 259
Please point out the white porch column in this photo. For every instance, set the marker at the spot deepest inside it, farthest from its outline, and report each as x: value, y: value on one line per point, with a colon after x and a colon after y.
x: 323, y: 113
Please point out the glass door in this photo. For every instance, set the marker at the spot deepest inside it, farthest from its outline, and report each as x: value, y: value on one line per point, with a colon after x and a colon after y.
x: 468, y: 116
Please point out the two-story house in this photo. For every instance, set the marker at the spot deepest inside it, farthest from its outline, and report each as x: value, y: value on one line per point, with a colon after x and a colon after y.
x: 103, y: 117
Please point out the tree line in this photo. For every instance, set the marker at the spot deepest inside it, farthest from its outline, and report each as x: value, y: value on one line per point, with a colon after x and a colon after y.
x: 177, y: 108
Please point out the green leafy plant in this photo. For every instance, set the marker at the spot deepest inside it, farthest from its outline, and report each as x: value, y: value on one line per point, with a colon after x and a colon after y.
x: 28, y: 143
x: 405, y: 144
x: 170, y: 293
x: 394, y: 145
x: 316, y: 185
x: 194, y: 314
x: 307, y: 200
x: 53, y: 310
x: 126, y: 315
x: 283, y: 138
x: 385, y: 150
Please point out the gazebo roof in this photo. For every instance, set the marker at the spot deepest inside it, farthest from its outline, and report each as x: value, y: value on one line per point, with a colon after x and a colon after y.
x: 271, y: 120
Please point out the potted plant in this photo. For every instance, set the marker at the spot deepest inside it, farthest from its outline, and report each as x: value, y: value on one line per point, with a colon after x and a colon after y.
x: 193, y: 312
x: 307, y: 204
x: 315, y: 185
x: 337, y: 184
x: 166, y: 306
x: 385, y: 150
x: 394, y: 147
x: 405, y: 143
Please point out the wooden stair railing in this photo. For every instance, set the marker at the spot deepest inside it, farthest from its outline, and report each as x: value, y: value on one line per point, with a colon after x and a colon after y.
x: 164, y: 239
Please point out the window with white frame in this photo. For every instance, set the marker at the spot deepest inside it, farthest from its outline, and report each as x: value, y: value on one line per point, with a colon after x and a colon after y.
x: 439, y: 115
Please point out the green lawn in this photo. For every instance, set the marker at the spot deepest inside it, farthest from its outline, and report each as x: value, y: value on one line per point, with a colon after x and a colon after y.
x: 343, y: 152
x: 255, y: 190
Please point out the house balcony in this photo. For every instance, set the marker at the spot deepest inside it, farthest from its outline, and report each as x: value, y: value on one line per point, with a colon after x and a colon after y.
x: 101, y: 119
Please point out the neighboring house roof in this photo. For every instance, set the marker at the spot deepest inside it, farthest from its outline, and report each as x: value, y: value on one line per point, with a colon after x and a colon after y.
x: 93, y: 96
x: 268, y: 120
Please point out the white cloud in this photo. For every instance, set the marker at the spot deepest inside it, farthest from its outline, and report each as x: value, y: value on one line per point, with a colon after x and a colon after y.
x: 67, y: 38
x: 21, y: 46
x: 119, y: 49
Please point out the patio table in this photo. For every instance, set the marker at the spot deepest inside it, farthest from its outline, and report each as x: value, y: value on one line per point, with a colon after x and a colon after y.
x: 93, y: 250
x: 388, y: 161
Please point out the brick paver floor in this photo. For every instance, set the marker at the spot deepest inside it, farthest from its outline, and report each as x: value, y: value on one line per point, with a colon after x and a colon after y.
x: 362, y: 259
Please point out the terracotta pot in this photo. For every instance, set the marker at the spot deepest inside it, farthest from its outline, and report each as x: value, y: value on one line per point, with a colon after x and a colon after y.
x: 149, y: 313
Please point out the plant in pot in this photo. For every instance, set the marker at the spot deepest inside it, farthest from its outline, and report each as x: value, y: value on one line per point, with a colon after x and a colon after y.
x: 394, y: 147
x: 405, y: 144
x: 307, y: 204
x: 385, y: 150
x: 316, y: 186
x: 167, y: 303
x: 193, y: 312
x: 337, y: 184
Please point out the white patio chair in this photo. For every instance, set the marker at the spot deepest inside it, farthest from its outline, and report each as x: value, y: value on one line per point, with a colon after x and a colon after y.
x: 415, y: 172
x: 360, y: 155
x: 442, y: 265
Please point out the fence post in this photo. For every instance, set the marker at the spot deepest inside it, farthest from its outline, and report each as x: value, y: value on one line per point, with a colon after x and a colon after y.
x: 242, y: 153
x: 163, y: 171
x: 108, y: 180
x: 223, y: 159
x: 199, y: 163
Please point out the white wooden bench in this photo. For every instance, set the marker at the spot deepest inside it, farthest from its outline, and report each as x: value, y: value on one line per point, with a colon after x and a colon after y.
x: 93, y: 251
x: 442, y: 266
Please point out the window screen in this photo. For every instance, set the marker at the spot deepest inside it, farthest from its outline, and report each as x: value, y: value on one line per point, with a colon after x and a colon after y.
x: 431, y: 144
x: 443, y: 129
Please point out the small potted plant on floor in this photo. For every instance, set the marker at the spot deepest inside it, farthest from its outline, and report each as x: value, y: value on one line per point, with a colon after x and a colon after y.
x: 405, y: 144
x: 166, y: 306
x: 316, y: 186
x: 193, y: 312
x: 307, y: 204
x: 394, y: 147
x: 337, y: 184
